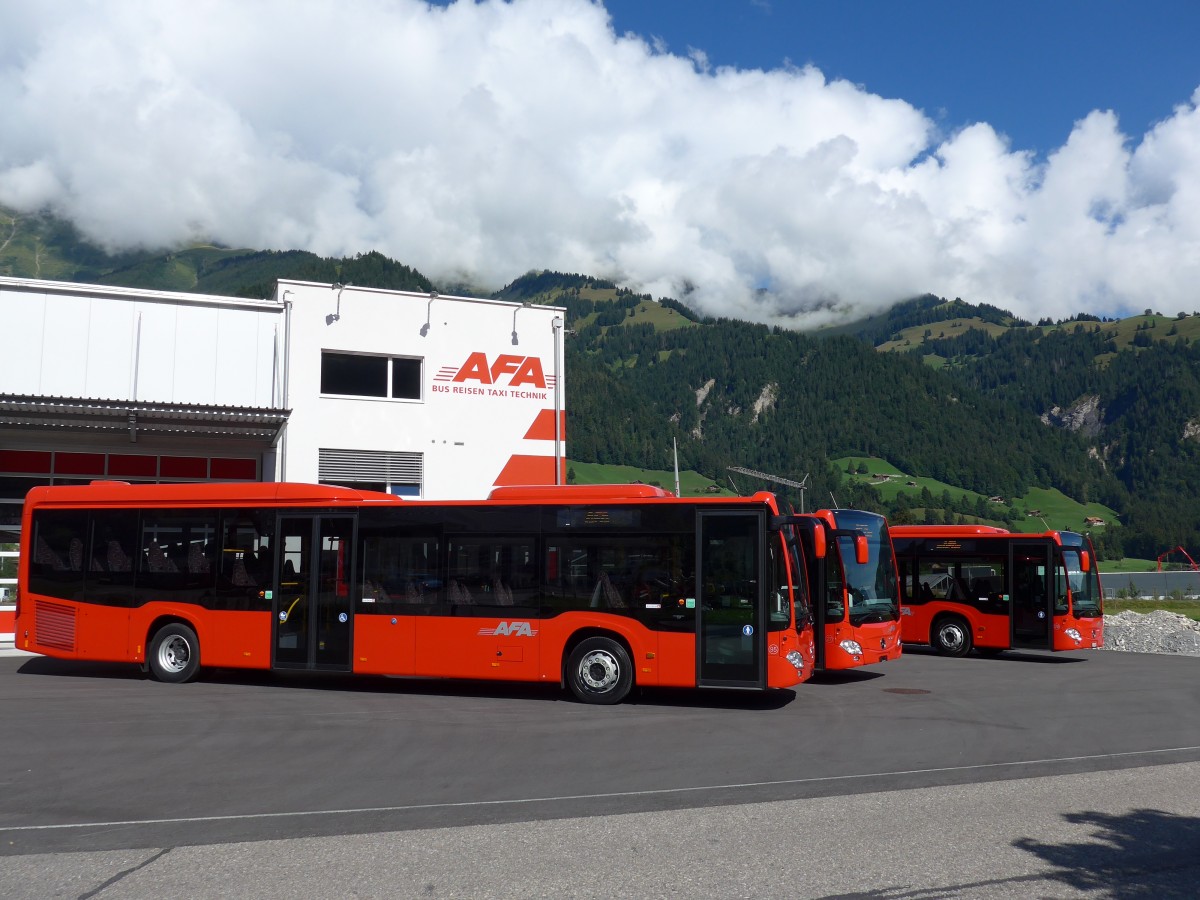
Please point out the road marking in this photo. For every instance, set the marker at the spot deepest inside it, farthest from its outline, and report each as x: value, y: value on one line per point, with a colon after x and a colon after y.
x: 467, y: 804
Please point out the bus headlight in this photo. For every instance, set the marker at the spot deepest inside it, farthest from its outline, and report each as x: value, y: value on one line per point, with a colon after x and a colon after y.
x: 854, y: 648
x: 797, y: 660
x: 1073, y: 634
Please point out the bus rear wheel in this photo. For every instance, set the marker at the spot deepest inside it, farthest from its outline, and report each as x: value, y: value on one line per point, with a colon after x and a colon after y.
x: 174, y: 653
x: 952, y: 637
x: 599, y: 671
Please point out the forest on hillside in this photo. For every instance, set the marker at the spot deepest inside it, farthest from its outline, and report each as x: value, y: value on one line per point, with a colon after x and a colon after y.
x: 735, y: 393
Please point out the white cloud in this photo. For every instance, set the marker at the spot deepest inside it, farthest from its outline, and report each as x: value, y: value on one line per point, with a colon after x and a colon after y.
x: 485, y: 139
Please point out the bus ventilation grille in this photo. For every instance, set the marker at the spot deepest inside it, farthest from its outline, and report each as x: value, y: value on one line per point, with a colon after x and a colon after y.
x: 55, y: 626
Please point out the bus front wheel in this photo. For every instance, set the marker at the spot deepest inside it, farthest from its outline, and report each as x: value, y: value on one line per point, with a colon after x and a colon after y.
x: 174, y: 653
x: 599, y: 671
x: 952, y: 637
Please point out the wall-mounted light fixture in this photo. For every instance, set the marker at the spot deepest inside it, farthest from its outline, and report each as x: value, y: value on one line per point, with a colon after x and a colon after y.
x: 524, y: 305
x: 337, y: 313
x: 433, y: 295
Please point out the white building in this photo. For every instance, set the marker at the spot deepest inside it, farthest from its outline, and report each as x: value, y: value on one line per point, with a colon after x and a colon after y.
x: 422, y: 395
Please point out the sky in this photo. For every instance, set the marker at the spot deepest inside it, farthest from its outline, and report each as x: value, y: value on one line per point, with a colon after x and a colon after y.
x: 796, y: 163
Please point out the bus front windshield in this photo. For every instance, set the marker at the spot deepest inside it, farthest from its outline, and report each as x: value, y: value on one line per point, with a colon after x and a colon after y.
x: 871, y: 586
x: 1086, y: 602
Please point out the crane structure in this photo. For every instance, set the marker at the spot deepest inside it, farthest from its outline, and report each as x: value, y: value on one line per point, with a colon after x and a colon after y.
x: 1191, y: 562
x: 801, y: 484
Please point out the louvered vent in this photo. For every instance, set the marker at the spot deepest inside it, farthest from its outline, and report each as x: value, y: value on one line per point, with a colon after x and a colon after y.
x: 349, y: 466
x: 54, y: 625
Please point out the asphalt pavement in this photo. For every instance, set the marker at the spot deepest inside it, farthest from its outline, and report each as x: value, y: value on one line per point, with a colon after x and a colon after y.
x: 1047, y: 775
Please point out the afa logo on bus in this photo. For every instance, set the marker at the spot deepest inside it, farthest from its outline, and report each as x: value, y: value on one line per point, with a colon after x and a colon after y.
x: 510, y: 629
x: 507, y: 368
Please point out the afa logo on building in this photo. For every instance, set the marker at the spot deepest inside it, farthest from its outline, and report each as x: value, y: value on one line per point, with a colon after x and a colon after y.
x: 507, y: 369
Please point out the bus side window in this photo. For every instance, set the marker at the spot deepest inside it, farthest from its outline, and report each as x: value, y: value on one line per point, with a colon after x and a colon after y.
x: 172, y: 557
x: 115, y: 543
x: 490, y: 572
x: 56, y: 569
x: 244, y: 570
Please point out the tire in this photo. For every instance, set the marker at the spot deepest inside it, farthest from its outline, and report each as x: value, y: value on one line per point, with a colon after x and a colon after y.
x: 174, y: 654
x: 951, y: 636
x: 599, y: 671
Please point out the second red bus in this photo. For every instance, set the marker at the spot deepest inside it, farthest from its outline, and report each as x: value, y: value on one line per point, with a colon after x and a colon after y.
x: 854, y: 589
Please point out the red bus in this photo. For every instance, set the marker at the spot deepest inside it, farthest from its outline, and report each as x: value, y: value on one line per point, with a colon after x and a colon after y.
x: 598, y: 588
x: 852, y: 580
x: 974, y: 586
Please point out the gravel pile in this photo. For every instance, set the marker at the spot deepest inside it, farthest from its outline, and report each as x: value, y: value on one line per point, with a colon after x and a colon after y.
x: 1153, y: 632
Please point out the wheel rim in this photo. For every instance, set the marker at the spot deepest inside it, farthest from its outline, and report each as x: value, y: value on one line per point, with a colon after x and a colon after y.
x: 174, y: 654
x: 951, y: 636
x: 599, y: 671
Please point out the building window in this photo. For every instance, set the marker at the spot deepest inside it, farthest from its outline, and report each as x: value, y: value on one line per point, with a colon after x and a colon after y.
x: 352, y: 375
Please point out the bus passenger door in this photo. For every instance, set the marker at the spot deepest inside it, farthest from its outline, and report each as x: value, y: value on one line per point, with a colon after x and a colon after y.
x: 730, y: 620
x: 815, y: 570
x: 312, y: 604
x: 1032, y: 595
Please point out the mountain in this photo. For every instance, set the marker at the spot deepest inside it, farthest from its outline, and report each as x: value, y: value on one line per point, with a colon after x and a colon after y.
x: 734, y: 393
x: 968, y: 395
x: 1129, y: 388
x: 40, y: 246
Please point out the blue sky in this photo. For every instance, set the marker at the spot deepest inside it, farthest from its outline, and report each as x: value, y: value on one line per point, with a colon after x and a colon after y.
x: 795, y: 163
x: 1030, y: 68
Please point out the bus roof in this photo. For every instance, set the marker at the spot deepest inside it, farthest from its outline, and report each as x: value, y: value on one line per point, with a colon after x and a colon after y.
x: 284, y: 493
x: 945, y: 530
x: 614, y: 493
x: 582, y: 492
x: 122, y: 493
x: 951, y: 532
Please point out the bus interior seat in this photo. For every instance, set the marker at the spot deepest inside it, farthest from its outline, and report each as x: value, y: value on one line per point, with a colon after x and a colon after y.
x: 118, y: 559
x: 197, y: 561
x: 157, y: 561
x: 605, y: 594
x: 241, y: 577
x: 457, y: 593
x: 983, y: 587
x: 45, y: 556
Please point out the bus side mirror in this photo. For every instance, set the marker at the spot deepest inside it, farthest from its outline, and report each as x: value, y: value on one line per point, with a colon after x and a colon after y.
x: 819, y: 543
x: 862, y: 553
x: 1085, y: 560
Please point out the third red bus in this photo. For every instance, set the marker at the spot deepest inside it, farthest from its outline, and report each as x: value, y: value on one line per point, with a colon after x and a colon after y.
x: 973, y: 586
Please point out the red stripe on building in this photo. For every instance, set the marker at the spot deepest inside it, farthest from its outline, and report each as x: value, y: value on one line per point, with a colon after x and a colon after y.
x: 522, y: 469
x: 542, y: 428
